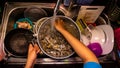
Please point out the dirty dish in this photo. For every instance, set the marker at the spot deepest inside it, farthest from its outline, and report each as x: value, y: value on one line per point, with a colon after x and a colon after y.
x: 16, y: 42
x: 107, y: 47
x: 53, y: 43
x: 35, y: 13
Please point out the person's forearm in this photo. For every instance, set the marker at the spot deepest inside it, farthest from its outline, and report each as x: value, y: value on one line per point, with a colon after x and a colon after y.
x: 79, y: 47
x: 29, y: 64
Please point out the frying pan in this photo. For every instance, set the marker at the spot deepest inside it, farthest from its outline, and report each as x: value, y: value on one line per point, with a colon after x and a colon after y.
x: 17, y: 40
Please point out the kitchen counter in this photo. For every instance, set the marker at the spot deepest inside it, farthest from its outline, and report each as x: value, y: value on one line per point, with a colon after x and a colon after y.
x: 108, y: 64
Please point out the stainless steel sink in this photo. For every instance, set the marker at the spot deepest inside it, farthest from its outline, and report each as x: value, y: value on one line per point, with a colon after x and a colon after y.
x: 14, y: 11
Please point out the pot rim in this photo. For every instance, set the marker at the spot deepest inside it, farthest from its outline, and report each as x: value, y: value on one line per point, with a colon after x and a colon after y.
x: 40, y: 44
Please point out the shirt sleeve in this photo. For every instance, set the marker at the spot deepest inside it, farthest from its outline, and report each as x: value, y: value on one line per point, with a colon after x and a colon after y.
x: 92, y: 65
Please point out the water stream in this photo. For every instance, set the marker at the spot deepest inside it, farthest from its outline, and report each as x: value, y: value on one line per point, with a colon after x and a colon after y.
x: 54, y: 14
x: 53, y: 21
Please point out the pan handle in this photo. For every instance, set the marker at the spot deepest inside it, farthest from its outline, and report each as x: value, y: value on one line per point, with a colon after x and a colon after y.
x: 6, y: 58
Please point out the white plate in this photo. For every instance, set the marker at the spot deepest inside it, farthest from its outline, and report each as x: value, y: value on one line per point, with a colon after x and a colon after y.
x: 98, y: 36
x: 109, y: 39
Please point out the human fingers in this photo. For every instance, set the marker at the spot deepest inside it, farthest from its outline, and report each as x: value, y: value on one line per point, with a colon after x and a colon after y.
x: 30, y: 47
x: 36, y: 47
x: 59, y: 24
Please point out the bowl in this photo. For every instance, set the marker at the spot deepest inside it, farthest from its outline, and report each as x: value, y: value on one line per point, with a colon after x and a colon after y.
x: 35, y: 13
x: 98, y: 35
x: 95, y: 48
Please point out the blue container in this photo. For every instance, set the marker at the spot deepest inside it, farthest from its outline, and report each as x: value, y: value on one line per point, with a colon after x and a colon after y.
x: 79, y: 2
x: 67, y: 2
x: 84, y: 2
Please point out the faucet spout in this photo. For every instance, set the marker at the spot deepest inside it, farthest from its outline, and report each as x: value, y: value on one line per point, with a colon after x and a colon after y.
x: 57, y: 6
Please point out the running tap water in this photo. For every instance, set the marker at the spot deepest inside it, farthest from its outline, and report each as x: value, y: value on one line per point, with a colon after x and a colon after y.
x: 55, y: 13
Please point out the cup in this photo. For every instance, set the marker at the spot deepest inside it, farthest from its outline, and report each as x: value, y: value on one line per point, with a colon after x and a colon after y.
x: 95, y: 48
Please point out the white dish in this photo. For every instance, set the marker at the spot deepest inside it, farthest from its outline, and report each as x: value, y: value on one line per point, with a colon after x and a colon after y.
x: 98, y: 36
x: 109, y: 39
x: 84, y: 39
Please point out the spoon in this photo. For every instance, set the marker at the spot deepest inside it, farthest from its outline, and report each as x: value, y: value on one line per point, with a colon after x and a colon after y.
x: 86, y: 30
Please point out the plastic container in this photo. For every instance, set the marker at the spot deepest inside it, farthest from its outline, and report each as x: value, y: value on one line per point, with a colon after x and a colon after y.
x: 95, y: 48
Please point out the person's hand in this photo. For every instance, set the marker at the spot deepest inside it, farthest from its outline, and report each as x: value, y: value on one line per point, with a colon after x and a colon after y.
x: 59, y: 24
x: 2, y: 54
x: 32, y: 55
x: 33, y: 51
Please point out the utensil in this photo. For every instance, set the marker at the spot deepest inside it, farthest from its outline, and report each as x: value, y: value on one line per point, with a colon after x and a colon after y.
x: 35, y: 13
x: 16, y: 42
x: 86, y: 30
x: 52, y: 43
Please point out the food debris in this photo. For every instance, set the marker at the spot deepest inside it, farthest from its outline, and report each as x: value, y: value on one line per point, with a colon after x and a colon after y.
x: 24, y: 24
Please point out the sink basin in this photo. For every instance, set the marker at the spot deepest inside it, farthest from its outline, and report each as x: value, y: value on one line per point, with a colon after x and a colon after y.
x: 16, y: 10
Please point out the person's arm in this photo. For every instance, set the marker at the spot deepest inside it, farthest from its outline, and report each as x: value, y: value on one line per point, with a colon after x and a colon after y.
x: 32, y: 55
x: 84, y: 52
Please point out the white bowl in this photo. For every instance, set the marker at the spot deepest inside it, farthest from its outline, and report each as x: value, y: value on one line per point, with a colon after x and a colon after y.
x: 104, y: 35
x: 97, y: 36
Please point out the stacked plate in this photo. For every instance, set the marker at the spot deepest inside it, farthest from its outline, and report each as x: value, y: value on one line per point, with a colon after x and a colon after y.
x: 103, y: 35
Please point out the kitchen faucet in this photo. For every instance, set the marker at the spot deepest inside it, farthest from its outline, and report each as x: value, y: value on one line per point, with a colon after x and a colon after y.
x: 57, y: 6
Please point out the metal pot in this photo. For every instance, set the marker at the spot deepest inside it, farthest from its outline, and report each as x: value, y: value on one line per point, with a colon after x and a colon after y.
x: 103, y: 19
x: 52, y: 43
